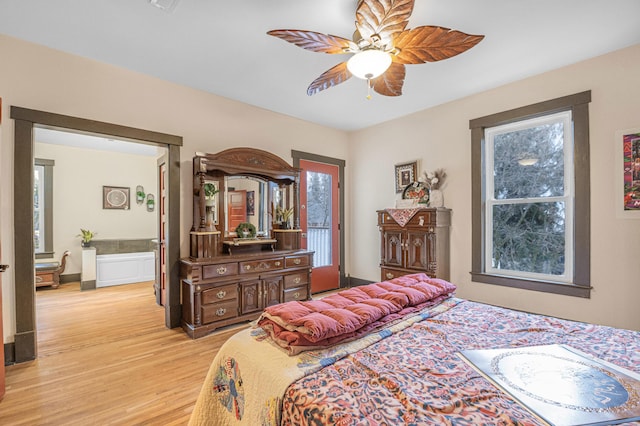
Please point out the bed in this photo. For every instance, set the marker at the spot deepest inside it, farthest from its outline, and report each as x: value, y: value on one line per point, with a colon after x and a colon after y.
x: 392, y: 353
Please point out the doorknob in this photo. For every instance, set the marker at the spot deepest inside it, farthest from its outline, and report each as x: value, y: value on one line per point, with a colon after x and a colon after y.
x: 4, y: 268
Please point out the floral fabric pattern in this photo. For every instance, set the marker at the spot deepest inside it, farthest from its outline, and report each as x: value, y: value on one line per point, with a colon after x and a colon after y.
x: 228, y: 386
x: 415, y: 376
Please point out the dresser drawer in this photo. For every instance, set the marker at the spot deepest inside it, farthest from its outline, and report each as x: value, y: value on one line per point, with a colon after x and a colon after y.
x: 261, y: 266
x: 296, y: 280
x: 295, y: 261
x: 389, y: 274
x: 219, y: 311
x: 300, y: 293
x: 219, y: 294
x: 220, y: 270
x: 44, y: 278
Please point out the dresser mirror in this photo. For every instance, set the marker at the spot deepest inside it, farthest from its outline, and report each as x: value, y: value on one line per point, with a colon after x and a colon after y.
x: 247, y: 200
x: 241, y: 185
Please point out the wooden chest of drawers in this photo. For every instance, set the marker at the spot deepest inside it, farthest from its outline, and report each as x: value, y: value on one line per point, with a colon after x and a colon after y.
x: 419, y: 245
x: 235, y: 288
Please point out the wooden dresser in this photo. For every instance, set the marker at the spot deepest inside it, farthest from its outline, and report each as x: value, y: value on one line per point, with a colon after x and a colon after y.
x: 419, y: 245
x: 231, y: 289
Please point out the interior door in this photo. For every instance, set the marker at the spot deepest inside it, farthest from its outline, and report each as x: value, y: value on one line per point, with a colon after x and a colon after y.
x: 319, y: 220
x: 237, y: 211
x: 2, y: 386
x: 161, y: 250
x: 2, y: 268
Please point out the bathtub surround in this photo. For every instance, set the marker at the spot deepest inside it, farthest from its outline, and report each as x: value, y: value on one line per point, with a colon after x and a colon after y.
x: 118, y: 261
x: 120, y: 246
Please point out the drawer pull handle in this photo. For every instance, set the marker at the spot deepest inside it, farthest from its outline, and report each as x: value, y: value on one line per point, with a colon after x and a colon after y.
x: 247, y: 267
x: 221, y: 294
x: 297, y: 261
x: 221, y: 311
x: 389, y: 275
x: 39, y: 279
x: 221, y: 270
x: 296, y: 280
x: 277, y: 263
x: 296, y: 295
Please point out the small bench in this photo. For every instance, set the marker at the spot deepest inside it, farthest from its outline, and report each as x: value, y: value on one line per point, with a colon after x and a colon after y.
x: 48, y: 273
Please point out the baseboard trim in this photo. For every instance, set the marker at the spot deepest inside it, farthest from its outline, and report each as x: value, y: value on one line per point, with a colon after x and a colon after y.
x: 87, y: 285
x: 355, y: 282
x: 69, y: 278
x: 25, y: 346
x: 9, y: 353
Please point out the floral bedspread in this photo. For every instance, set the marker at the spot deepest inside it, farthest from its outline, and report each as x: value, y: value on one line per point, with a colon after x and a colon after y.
x: 415, y: 377
x: 250, y: 374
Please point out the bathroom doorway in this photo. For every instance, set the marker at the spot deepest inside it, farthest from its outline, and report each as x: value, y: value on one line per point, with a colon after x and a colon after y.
x: 26, y: 121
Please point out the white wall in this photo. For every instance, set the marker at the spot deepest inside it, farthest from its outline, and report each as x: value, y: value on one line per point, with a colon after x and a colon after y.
x: 440, y: 137
x: 78, y: 177
x: 44, y: 79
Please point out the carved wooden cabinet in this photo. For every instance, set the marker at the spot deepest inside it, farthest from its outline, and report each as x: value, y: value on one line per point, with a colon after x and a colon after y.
x: 230, y: 277
x: 416, y: 240
x: 232, y: 289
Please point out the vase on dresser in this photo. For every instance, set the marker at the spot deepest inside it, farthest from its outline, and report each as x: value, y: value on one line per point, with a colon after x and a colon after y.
x: 436, y: 199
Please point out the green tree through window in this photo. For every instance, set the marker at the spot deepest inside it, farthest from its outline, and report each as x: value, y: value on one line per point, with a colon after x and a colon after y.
x: 530, y: 203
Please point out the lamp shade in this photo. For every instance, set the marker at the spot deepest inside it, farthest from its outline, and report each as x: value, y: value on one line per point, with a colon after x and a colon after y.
x: 369, y: 63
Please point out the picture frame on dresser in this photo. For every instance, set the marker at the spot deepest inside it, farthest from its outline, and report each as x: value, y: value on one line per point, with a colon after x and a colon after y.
x: 405, y: 174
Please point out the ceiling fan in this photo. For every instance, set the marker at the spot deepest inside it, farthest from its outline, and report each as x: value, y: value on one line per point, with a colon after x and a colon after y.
x: 381, y: 45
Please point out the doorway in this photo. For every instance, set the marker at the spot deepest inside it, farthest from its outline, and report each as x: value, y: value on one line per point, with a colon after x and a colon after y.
x: 25, y: 344
x: 321, y: 216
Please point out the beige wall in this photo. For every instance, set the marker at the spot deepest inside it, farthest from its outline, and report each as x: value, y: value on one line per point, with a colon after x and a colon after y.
x: 78, y: 177
x: 39, y: 78
x: 440, y: 137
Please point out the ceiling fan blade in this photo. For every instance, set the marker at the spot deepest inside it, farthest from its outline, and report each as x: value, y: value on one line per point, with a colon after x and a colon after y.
x: 332, y: 77
x: 316, y: 42
x: 430, y: 44
x: 391, y: 81
x: 384, y: 17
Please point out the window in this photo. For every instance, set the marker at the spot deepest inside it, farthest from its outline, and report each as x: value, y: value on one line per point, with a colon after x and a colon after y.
x: 43, y: 208
x: 531, y: 197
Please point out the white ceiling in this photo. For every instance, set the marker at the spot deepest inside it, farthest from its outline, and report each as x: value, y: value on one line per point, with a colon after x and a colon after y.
x: 95, y: 142
x: 222, y: 47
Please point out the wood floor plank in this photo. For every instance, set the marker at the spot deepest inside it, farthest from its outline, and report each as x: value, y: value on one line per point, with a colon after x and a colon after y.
x: 105, y: 357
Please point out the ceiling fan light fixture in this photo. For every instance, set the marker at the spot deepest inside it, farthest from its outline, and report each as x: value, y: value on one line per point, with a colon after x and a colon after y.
x: 165, y: 5
x: 528, y: 160
x: 369, y: 64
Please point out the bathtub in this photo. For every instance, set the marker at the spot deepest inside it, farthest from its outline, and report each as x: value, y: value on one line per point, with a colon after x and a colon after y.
x: 124, y: 268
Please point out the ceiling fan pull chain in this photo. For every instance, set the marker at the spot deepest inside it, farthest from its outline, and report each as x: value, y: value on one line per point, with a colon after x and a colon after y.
x: 369, y: 89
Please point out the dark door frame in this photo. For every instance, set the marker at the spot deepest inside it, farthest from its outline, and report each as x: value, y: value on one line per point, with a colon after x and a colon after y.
x: 25, y: 344
x: 300, y: 155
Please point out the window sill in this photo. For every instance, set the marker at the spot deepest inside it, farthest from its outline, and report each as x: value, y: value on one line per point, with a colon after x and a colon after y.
x: 44, y: 255
x: 543, y: 286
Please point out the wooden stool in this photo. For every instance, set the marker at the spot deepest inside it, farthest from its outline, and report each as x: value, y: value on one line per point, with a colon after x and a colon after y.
x: 48, y: 273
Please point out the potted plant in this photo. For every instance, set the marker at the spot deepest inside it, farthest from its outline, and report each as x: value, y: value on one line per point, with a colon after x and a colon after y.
x: 140, y: 195
x: 209, y: 191
x: 284, y: 215
x: 86, y: 236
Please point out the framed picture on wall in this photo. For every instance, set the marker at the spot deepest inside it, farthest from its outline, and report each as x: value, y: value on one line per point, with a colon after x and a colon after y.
x: 251, y: 203
x: 405, y: 174
x: 628, y: 173
x: 115, y: 197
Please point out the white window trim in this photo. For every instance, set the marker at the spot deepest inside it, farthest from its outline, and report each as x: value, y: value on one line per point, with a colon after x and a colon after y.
x: 567, y: 198
x: 41, y: 209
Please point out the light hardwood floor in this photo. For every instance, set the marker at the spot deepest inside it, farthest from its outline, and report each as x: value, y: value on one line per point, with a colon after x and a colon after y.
x: 105, y: 358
